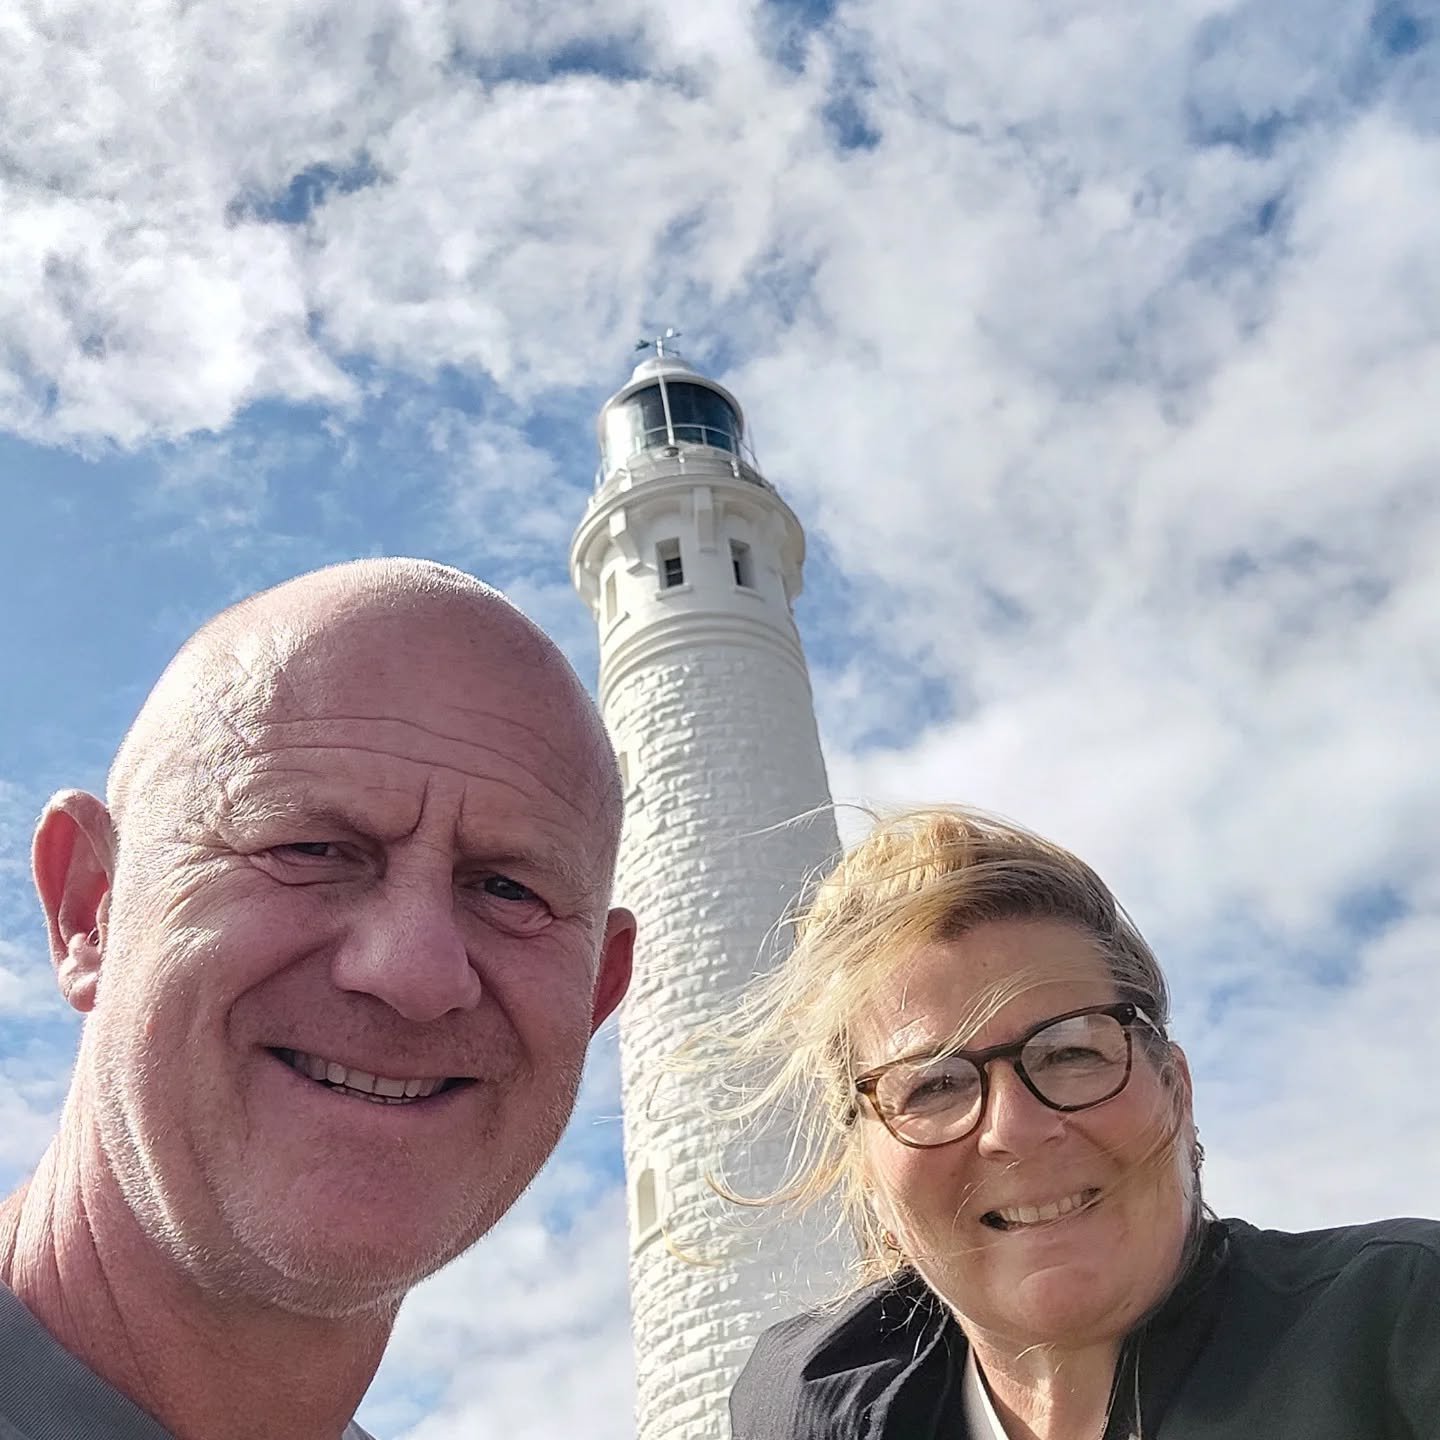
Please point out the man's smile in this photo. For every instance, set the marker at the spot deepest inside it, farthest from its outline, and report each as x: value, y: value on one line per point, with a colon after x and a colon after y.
x: 361, y: 1084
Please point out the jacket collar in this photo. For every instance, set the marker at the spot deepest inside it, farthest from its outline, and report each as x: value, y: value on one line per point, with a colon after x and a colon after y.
x: 1165, y: 1347
x: 891, y: 1366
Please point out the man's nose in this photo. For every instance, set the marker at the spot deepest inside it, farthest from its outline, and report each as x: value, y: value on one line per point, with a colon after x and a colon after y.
x: 1015, y: 1123
x: 405, y: 947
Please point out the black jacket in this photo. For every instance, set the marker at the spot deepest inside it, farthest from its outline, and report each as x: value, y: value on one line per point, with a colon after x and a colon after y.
x: 1332, y: 1335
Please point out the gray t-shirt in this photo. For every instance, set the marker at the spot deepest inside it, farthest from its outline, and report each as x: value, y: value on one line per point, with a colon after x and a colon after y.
x: 47, y: 1394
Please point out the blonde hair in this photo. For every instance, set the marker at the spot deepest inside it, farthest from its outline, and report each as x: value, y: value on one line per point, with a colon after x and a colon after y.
x: 787, y: 1049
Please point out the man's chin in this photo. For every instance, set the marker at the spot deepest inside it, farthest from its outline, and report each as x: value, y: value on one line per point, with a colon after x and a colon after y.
x: 336, y: 1265
x: 346, y: 1282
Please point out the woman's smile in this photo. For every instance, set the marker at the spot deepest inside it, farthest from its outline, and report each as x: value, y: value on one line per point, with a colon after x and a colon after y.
x: 1042, y: 1213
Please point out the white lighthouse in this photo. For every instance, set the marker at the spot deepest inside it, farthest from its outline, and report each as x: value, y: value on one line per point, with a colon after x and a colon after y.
x: 691, y: 562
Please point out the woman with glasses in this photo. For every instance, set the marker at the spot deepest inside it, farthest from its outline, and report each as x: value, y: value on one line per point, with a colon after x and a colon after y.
x: 976, y: 1035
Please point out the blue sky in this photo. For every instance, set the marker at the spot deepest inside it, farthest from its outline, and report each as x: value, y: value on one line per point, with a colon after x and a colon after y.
x: 1096, y: 346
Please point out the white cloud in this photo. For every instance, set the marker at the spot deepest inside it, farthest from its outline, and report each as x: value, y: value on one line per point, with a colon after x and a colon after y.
x: 503, y: 494
x: 27, y: 984
x: 29, y: 1113
x: 1331, y: 1116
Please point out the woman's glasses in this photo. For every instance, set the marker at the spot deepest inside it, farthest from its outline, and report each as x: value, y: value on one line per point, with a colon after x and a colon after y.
x: 1069, y: 1062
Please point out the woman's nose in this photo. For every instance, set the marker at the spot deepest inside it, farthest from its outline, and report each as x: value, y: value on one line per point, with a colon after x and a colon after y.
x: 1014, y: 1123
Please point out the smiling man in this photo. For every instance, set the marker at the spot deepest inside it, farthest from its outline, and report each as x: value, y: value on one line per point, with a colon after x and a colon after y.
x: 341, y: 933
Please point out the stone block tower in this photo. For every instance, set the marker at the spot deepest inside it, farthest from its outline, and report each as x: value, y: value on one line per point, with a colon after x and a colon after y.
x: 690, y: 562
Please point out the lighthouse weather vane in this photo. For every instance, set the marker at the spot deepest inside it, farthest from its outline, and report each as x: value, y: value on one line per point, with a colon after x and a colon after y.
x: 671, y: 333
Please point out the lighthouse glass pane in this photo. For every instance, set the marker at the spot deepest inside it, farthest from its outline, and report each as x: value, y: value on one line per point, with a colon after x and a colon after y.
x: 701, y: 417
x: 634, y: 425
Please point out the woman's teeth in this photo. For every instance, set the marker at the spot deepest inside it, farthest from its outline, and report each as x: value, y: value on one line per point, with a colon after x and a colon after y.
x: 1007, y: 1219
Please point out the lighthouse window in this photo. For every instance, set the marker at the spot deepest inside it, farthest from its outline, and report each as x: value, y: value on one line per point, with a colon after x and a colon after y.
x: 741, y: 565
x: 612, y: 603
x: 701, y: 417
x: 669, y: 564
x: 698, y: 416
x: 634, y: 425
x: 647, y: 1204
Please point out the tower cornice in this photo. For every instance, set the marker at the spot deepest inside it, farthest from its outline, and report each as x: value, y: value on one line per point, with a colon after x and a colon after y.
x: 599, y: 532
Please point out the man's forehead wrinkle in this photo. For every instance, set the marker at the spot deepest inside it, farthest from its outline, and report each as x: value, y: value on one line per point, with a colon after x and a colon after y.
x: 321, y: 679
x: 312, y: 802
x: 270, y: 775
x: 522, y: 791
x: 319, y: 734
x: 329, y: 816
x: 219, y: 666
x: 222, y: 743
x: 177, y: 760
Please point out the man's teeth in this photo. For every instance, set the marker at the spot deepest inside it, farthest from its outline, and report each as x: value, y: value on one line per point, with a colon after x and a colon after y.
x: 381, y: 1089
x: 1052, y: 1210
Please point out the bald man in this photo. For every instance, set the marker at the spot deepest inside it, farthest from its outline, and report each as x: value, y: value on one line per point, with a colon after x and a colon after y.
x: 340, y: 934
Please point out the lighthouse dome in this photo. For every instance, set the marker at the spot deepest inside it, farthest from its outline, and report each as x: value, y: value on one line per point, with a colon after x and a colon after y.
x: 666, y: 405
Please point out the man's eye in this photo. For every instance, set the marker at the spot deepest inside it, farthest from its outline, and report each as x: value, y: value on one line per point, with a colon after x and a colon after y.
x: 503, y: 888
x: 512, y: 907
x: 309, y: 849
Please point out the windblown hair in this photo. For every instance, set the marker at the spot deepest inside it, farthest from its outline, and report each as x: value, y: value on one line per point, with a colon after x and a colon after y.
x: 787, y: 1050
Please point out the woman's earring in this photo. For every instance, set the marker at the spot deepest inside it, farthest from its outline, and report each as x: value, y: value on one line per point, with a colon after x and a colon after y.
x: 888, y: 1240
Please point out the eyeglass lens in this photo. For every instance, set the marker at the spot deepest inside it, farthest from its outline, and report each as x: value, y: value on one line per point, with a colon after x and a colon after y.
x: 1074, y: 1062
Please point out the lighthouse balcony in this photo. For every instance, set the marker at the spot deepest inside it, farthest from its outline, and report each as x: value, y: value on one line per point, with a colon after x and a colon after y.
x: 690, y: 460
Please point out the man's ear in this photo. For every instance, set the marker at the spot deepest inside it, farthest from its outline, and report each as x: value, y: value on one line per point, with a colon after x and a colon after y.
x: 73, y: 860
x: 616, y: 958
